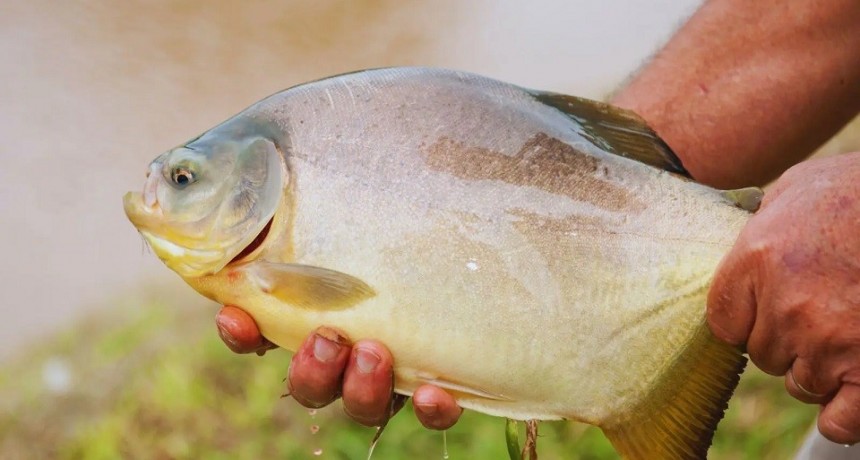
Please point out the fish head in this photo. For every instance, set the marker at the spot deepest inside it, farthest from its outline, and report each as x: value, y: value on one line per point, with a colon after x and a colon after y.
x: 210, y: 201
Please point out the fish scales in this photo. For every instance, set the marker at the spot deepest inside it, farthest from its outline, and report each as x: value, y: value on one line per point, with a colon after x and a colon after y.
x: 514, y: 260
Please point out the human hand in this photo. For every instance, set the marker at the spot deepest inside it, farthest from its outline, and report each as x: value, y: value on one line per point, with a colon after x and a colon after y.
x: 790, y: 290
x: 327, y: 366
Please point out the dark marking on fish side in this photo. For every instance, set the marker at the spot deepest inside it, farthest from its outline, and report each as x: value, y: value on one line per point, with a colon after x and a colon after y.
x: 543, y: 162
x: 558, y: 225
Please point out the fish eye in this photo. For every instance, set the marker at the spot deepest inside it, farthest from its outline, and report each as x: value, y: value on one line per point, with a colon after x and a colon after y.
x: 181, y: 177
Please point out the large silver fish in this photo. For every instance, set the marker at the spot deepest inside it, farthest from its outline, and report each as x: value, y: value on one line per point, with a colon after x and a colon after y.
x: 537, y: 255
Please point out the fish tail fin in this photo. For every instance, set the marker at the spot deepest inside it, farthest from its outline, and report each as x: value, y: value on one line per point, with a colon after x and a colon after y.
x: 679, y: 419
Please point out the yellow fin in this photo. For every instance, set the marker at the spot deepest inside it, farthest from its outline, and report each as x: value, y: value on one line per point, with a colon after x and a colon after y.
x: 748, y: 199
x: 307, y: 286
x: 616, y: 130
x: 679, y: 418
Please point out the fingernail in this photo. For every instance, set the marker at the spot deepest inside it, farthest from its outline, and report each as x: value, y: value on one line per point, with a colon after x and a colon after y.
x: 366, y: 360
x: 324, y: 349
x: 427, y: 408
x: 225, y: 334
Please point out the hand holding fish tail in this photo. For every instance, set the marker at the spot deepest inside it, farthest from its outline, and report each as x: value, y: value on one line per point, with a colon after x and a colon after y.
x: 790, y: 290
x: 328, y: 366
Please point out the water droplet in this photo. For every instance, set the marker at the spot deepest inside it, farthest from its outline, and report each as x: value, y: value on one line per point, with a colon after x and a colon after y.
x: 445, y: 445
x: 472, y: 265
x: 312, y: 412
x: 375, y: 440
x: 315, y: 429
x: 317, y: 452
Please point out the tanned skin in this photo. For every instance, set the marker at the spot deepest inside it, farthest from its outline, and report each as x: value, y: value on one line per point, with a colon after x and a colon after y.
x: 744, y: 90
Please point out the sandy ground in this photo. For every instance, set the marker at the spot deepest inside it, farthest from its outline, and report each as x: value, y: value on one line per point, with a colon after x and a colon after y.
x: 91, y: 91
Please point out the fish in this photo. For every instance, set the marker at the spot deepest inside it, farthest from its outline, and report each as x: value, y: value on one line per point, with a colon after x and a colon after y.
x: 539, y: 256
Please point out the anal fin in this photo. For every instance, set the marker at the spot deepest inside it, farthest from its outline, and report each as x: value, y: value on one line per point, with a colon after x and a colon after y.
x: 679, y: 419
x: 452, y: 387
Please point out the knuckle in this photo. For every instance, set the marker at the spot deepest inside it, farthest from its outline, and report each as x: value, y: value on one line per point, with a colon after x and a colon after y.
x: 720, y: 330
x: 795, y: 173
x: 763, y: 362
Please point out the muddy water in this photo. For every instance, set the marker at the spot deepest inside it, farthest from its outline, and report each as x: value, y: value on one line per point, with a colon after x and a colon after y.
x: 90, y: 91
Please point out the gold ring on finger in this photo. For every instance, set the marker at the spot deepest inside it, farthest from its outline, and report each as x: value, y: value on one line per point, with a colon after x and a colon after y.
x: 803, y: 390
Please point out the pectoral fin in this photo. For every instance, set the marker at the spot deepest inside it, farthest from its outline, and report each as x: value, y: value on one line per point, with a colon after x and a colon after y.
x: 307, y: 286
x: 678, y: 420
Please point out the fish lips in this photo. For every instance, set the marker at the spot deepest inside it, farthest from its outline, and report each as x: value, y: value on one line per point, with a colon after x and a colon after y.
x: 187, y: 260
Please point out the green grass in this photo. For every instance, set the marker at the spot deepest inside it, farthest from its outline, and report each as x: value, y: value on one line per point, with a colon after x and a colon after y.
x: 153, y: 382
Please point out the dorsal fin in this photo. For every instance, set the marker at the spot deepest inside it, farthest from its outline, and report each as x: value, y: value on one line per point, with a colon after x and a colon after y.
x: 616, y: 130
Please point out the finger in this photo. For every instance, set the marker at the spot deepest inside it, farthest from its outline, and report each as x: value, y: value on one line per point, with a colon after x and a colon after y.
x: 800, y: 385
x: 435, y: 408
x: 731, y: 300
x: 239, y: 331
x: 777, y: 188
x: 839, y: 421
x: 368, y: 383
x: 769, y: 351
x: 316, y: 370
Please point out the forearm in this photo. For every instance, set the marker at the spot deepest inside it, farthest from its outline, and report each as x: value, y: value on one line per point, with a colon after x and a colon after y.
x: 747, y: 88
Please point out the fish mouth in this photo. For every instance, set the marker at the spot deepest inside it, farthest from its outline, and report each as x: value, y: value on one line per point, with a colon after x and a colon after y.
x: 255, y: 243
x: 186, y: 261
x: 181, y: 254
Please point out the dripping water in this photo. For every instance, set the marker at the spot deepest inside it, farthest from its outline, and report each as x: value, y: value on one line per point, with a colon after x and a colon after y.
x: 314, y: 429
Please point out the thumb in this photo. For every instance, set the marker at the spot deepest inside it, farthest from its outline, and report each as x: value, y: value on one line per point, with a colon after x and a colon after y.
x: 731, y: 299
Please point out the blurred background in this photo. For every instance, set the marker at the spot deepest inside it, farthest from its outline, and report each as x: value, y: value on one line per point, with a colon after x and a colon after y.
x: 106, y: 353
